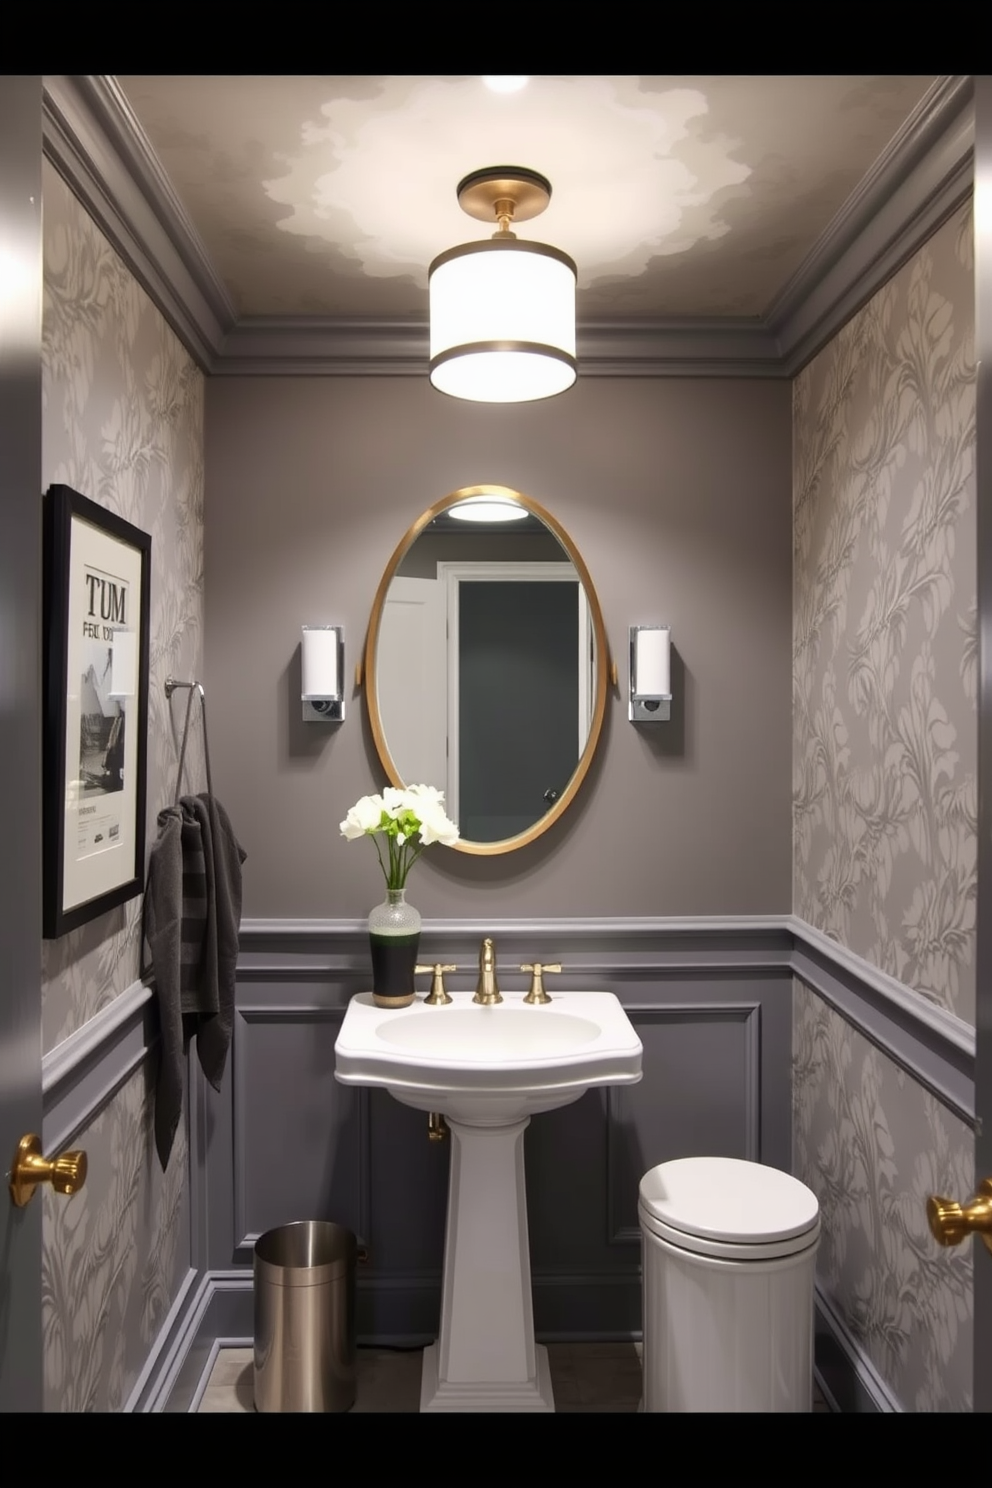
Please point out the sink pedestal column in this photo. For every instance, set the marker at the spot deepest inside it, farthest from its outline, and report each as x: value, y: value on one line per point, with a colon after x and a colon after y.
x: 486, y: 1358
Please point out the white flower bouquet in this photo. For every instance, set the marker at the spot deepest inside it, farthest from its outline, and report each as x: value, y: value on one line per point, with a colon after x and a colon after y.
x: 409, y: 819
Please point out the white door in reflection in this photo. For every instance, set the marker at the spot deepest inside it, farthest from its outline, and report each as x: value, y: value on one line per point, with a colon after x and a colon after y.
x: 412, y: 680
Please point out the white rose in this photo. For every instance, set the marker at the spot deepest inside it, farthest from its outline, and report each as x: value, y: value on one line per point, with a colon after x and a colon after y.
x: 437, y: 827
x: 363, y: 817
x: 394, y: 801
x: 427, y: 793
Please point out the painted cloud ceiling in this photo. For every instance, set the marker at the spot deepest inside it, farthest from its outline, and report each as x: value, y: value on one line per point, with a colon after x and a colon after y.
x: 676, y: 196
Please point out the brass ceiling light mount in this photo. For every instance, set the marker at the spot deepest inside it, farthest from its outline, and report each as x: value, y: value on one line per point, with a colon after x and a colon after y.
x: 503, y: 310
x: 506, y: 193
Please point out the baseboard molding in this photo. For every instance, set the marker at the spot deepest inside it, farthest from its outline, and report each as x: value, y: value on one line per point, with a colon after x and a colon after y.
x: 849, y: 1380
x: 214, y: 1307
x: 226, y: 1342
x: 148, y: 1387
x: 217, y: 1312
x: 205, y: 1374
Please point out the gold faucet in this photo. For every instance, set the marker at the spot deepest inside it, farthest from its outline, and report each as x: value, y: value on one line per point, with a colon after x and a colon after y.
x: 487, y: 992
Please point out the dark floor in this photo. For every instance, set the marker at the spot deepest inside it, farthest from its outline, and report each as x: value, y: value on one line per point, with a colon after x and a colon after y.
x: 585, y: 1377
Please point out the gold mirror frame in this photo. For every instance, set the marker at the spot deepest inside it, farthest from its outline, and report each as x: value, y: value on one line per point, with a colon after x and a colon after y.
x: 603, y: 669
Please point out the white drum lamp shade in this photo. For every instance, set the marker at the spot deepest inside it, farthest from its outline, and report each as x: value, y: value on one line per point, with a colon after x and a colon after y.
x: 502, y: 322
x: 502, y: 311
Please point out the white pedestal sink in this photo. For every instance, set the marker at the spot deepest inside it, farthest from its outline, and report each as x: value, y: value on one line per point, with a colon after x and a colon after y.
x: 488, y: 1070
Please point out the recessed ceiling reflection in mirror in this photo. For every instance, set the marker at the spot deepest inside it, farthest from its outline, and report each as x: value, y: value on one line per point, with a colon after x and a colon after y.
x: 486, y: 665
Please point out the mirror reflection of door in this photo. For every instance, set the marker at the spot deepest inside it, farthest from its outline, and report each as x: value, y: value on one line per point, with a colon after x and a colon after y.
x: 411, y: 680
x: 485, y: 688
x: 518, y: 692
x: 507, y: 732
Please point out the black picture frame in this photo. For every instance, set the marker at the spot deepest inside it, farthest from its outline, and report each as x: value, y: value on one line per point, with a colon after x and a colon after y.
x: 97, y: 591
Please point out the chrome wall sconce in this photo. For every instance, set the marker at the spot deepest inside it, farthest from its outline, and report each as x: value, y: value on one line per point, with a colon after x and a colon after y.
x: 322, y: 657
x: 650, y: 674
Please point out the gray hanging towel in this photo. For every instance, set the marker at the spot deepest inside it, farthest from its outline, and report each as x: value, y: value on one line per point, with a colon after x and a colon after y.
x: 192, y: 914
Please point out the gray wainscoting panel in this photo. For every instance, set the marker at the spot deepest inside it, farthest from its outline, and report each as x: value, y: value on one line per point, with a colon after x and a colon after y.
x: 711, y: 1001
x: 713, y: 1010
x: 300, y: 1138
x: 673, y: 1113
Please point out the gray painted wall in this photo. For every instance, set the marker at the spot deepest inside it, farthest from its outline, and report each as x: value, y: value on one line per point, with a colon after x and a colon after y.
x: 677, y: 494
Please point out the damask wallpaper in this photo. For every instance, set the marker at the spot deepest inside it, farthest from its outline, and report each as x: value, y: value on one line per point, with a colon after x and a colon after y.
x: 885, y: 640
x: 873, y: 1145
x: 113, y: 1256
x: 123, y: 424
x: 885, y: 677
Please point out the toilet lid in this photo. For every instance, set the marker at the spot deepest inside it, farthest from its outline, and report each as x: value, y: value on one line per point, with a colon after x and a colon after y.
x: 729, y: 1203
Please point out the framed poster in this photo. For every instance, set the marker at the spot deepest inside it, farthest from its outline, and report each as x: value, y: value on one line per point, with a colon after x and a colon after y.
x: 96, y: 605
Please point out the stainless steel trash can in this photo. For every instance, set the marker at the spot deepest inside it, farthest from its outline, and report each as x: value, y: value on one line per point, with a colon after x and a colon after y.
x: 304, y: 1280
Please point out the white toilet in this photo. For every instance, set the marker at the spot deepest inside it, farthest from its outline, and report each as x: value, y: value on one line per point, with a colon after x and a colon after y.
x: 729, y: 1256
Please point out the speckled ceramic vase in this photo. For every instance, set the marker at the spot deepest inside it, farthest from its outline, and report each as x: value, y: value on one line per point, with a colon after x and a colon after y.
x: 394, y: 938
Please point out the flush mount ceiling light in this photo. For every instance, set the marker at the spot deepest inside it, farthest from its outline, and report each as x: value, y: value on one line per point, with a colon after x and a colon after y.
x: 502, y: 311
x: 488, y: 508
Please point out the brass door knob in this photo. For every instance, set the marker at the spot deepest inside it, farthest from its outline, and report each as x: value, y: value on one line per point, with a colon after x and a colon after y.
x: 950, y: 1223
x: 66, y: 1173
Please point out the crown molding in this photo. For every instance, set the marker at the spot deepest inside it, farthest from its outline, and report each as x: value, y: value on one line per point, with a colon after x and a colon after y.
x: 83, y: 129
x: 111, y: 108
x: 94, y: 140
x: 310, y: 345
x: 923, y: 176
x: 267, y: 346
x: 697, y: 347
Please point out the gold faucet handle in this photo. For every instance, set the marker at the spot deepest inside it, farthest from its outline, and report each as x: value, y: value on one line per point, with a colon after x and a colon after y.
x: 437, y: 996
x: 537, y: 969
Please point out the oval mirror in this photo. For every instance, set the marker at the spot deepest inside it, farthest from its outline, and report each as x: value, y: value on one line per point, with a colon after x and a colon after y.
x: 486, y: 665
